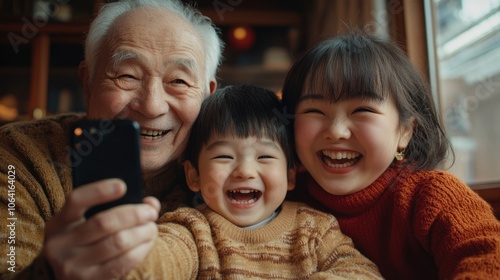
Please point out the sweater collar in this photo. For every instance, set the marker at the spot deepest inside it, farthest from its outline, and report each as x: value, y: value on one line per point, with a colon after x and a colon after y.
x: 155, y: 185
x: 356, y: 202
x: 284, y: 221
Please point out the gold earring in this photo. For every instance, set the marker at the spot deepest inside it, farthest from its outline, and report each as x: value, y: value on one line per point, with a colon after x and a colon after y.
x: 400, y: 155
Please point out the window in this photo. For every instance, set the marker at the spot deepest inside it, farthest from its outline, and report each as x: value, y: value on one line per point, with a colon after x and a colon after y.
x: 466, y: 36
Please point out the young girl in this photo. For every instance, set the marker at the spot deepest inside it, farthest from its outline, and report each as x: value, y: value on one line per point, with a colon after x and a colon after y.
x: 367, y: 132
x: 240, y: 157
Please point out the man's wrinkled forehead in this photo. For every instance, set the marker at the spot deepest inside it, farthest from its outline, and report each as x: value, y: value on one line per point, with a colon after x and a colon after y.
x: 153, y: 26
x: 144, y: 32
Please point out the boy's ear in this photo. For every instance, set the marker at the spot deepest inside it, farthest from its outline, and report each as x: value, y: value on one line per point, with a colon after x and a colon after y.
x: 292, y: 173
x: 192, y: 177
x: 213, y: 86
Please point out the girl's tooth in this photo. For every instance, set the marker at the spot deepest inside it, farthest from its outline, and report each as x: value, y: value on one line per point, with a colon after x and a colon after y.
x: 340, y: 155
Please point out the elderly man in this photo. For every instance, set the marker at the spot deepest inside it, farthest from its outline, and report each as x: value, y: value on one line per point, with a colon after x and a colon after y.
x: 151, y: 61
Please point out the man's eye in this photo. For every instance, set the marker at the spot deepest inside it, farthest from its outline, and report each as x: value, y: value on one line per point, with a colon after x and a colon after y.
x: 179, y: 81
x: 126, y: 76
x: 127, y: 82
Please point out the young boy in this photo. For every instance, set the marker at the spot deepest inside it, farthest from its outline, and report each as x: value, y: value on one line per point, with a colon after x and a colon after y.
x: 240, y: 157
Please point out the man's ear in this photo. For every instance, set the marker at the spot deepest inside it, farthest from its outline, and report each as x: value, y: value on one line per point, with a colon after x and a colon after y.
x: 213, y: 86
x: 192, y: 177
x: 83, y: 74
x: 292, y: 175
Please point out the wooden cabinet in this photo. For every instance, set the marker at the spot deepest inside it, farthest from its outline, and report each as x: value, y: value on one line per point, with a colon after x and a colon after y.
x: 278, y: 31
x: 491, y: 193
x: 41, y: 44
x: 41, y: 48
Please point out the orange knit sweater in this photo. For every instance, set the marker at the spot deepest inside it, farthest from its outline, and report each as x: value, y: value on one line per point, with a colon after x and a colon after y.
x: 300, y: 243
x: 417, y: 225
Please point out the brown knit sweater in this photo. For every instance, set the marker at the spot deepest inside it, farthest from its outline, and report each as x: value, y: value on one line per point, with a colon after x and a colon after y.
x: 35, y: 156
x: 300, y: 243
x: 417, y: 225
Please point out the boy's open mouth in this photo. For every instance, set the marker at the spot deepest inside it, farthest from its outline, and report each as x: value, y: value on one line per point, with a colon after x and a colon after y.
x: 243, y: 196
x: 339, y: 159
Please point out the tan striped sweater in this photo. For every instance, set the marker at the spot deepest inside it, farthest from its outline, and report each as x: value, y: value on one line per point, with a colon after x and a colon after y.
x: 300, y: 243
x: 35, y: 156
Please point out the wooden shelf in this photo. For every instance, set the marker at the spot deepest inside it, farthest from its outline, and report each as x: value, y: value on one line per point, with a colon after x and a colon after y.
x: 53, y: 27
x: 255, y: 17
x: 41, y: 43
x: 20, y: 30
x: 491, y: 193
x: 269, y: 78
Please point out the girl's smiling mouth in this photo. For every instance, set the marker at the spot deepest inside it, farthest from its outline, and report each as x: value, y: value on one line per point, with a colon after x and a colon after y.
x: 339, y: 159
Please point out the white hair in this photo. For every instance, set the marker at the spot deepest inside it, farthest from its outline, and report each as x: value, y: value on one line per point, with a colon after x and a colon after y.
x: 208, y: 33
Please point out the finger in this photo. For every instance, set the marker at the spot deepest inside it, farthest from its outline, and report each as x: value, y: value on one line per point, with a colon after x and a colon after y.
x: 117, y: 244
x: 111, y: 221
x: 95, y: 193
x: 118, y: 267
x: 130, y: 260
x: 95, y: 236
x: 153, y: 201
x: 114, y: 268
x: 83, y: 198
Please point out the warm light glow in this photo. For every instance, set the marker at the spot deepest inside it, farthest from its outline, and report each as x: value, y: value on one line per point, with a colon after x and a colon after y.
x: 78, y: 131
x: 279, y: 94
x: 241, y: 38
x: 8, y: 113
x: 240, y: 33
x: 38, y: 113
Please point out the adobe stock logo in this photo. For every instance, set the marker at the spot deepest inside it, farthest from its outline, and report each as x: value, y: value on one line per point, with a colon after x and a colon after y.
x: 222, y: 6
x: 30, y: 28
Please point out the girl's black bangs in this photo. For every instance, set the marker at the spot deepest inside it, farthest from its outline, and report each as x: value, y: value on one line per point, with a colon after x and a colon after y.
x: 340, y: 74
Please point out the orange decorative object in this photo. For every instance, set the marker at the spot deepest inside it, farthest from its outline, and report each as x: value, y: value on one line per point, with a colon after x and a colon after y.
x: 241, y: 38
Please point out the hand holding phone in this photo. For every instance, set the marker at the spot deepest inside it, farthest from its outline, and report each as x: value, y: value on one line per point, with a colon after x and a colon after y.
x: 103, y: 149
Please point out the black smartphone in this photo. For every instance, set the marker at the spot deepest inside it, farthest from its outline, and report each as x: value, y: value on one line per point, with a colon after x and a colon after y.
x: 103, y: 149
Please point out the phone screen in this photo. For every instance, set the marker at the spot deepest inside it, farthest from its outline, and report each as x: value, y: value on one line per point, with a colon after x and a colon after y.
x: 103, y: 149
